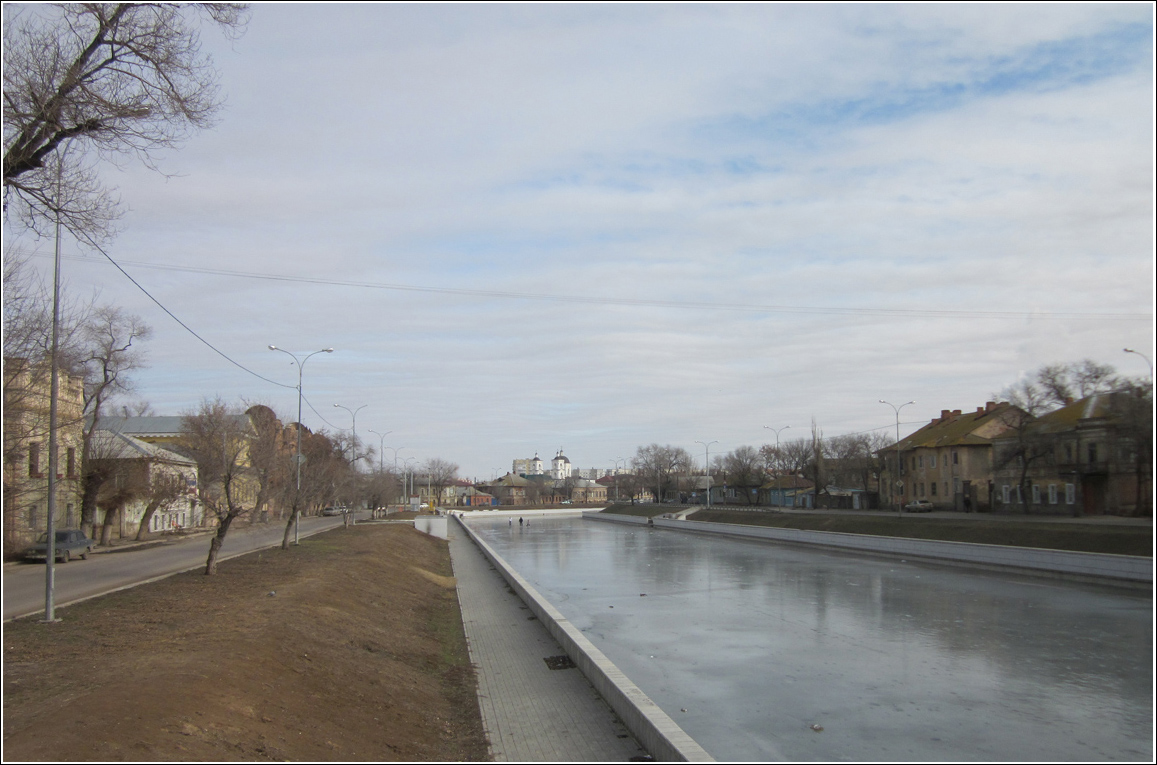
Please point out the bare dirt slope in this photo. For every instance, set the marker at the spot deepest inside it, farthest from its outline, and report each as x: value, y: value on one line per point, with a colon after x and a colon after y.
x: 349, y: 647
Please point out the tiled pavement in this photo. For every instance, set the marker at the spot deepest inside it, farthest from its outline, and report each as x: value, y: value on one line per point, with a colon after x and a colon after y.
x: 531, y: 712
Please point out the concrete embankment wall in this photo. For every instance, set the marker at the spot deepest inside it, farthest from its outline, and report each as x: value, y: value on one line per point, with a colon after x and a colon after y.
x: 650, y: 725
x: 1122, y: 569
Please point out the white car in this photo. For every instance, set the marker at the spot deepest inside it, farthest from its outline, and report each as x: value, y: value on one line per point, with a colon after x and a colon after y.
x: 919, y: 506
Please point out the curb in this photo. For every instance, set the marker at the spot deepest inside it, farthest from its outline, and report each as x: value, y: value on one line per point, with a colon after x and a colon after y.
x: 650, y: 725
x: 1104, y: 568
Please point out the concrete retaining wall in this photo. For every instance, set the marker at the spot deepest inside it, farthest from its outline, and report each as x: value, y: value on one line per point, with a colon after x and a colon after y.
x: 650, y: 725
x: 434, y: 525
x: 1099, y: 566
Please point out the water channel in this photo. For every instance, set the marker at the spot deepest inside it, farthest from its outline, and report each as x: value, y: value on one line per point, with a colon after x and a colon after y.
x: 763, y: 651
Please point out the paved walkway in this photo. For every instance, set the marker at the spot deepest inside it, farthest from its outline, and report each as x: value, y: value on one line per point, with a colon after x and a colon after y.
x: 531, y: 712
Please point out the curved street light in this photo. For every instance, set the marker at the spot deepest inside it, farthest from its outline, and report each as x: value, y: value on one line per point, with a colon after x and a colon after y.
x: 1142, y: 355
x: 899, y: 512
x: 354, y: 430
x: 707, y: 467
x: 297, y: 455
x: 617, y: 460
x: 381, y: 445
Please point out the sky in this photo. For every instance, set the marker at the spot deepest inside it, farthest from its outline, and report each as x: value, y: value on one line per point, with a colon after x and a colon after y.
x: 526, y: 228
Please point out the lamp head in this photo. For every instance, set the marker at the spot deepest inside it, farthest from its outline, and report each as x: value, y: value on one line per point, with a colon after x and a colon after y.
x: 273, y: 347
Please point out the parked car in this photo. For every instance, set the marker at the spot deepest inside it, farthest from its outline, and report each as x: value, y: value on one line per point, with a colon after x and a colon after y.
x: 331, y: 511
x: 68, y: 543
x: 919, y: 506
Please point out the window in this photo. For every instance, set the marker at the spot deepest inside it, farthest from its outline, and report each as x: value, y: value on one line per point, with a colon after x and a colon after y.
x: 1068, y: 452
x: 1070, y: 494
x: 34, y: 460
x: 71, y: 462
x: 1004, y: 494
x: 1092, y: 453
x: 921, y: 489
x: 955, y: 458
x: 1052, y: 493
x: 933, y: 488
x: 1035, y: 494
x: 920, y: 460
x: 932, y: 460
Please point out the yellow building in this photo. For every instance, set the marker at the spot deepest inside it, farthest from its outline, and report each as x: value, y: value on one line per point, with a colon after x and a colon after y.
x: 27, y: 393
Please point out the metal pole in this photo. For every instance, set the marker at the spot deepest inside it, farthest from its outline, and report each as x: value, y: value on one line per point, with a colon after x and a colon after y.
x: 899, y: 511
x: 707, y: 468
x: 777, y: 455
x: 53, y: 407
x: 1142, y: 355
x: 354, y: 430
x: 297, y: 454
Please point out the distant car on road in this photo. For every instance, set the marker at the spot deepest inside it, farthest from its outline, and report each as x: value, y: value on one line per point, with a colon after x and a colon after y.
x: 331, y: 511
x: 919, y: 506
x: 68, y: 543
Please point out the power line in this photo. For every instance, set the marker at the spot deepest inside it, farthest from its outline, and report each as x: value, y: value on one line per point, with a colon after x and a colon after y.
x: 639, y: 302
x: 173, y: 316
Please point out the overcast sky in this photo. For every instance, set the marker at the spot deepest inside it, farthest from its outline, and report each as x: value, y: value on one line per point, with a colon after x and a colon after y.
x: 525, y: 228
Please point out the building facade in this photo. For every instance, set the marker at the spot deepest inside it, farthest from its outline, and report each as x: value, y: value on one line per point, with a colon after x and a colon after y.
x: 27, y: 394
x: 948, y: 461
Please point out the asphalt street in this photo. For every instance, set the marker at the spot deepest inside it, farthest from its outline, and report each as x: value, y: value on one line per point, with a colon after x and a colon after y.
x: 117, y: 568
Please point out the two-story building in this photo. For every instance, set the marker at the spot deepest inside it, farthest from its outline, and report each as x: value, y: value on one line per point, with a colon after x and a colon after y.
x: 144, y: 479
x: 27, y: 394
x: 948, y: 461
x: 1092, y: 457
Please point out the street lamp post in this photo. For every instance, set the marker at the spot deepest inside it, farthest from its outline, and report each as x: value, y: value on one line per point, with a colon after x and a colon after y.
x: 1142, y: 355
x: 617, y: 460
x: 297, y: 455
x: 381, y: 445
x: 777, y: 455
x: 354, y: 430
x: 899, y: 512
x: 409, y: 476
x: 707, y: 467
x: 381, y: 448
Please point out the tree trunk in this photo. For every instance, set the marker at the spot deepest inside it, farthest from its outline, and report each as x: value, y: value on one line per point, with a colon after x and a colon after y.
x: 289, y: 527
x: 110, y: 516
x: 88, y: 509
x: 143, y: 528
x: 215, y: 544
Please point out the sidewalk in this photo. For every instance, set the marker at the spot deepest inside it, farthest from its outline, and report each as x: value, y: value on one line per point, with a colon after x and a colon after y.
x: 531, y: 712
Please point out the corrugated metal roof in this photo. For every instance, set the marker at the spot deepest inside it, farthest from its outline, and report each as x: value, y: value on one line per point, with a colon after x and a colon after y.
x: 108, y: 444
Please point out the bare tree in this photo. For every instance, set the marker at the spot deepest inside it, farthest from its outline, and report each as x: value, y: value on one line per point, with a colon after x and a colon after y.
x: 795, y: 456
x: 109, y: 356
x: 440, y: 474
x: 119, y: 79
x: 323, y: 467
x: 658, y: 465
x: 744, y: 469
x: 267, y: 458
x: 217, y: 436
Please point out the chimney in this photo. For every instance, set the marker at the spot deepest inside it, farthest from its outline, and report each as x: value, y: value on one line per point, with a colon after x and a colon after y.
x: 989, y: 406
x: 944, y: 414
x: 955, y: 412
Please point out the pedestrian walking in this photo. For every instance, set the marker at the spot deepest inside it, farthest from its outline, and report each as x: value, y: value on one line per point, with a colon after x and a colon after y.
x: 520, y: 520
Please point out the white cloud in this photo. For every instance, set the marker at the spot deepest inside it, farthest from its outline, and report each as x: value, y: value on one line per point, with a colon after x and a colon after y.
x: 920, y: 157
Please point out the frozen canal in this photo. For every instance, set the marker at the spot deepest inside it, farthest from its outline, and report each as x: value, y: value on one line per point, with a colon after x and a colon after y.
x: 891, y: 660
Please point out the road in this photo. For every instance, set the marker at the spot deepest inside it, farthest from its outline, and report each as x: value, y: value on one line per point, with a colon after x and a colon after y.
x: 116, y: 569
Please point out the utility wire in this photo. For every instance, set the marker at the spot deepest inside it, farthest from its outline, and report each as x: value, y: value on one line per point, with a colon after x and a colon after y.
x: 187, y: 328
x: 323, y: 419
x: 596, y: 300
